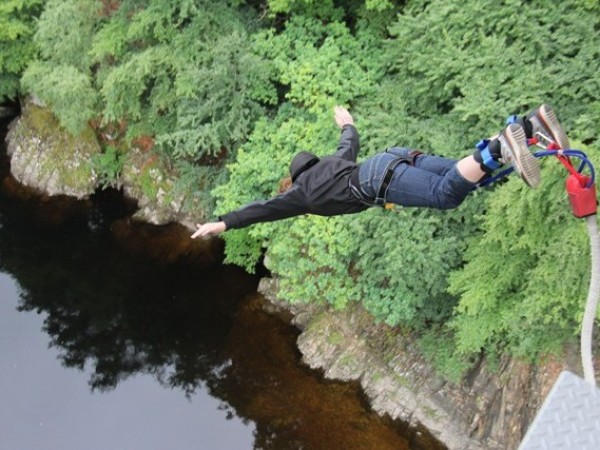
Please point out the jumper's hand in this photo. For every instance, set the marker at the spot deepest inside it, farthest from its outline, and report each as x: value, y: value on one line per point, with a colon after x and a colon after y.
x: 342, y: 116
x: 209, y: 228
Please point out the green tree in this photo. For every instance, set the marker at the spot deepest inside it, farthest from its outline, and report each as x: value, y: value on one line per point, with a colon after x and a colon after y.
x: 450, y: 75
x: 455, y: 68
x: 183, y: 72
x: 395, y: 262
x: 325, y: 8
x: 526, y: 279
x: 67, y: 91
x: 179, y: 74
x: 17, y: 26
x: 476, y: 61
x: 62, y: 77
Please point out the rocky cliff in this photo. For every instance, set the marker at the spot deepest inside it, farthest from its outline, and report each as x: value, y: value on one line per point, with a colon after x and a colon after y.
x: 48, y: 159
x: 488, y: 409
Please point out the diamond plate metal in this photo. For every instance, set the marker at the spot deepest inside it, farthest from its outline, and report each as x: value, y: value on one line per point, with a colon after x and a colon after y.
x: 569, y: 419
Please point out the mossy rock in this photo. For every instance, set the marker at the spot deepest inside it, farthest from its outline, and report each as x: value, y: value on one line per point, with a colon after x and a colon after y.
x: 47, y: 158
x: 146, y: 179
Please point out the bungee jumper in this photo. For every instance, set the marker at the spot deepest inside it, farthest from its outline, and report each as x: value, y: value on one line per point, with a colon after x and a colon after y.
x: 337, y: 184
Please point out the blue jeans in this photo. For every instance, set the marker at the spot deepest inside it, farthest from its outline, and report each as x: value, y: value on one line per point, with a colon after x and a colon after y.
x: 433, y: 181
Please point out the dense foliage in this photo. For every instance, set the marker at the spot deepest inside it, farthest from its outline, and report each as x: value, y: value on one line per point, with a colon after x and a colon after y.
x: 229, y: 91
x: 17, y: 26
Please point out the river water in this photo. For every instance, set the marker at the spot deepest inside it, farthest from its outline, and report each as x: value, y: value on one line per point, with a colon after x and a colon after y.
x: 109, y: 342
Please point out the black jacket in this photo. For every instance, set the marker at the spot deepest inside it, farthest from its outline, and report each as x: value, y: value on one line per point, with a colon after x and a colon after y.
x: 323, y: 189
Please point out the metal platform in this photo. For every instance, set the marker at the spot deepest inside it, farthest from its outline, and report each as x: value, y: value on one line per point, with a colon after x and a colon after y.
x: 569, y: 419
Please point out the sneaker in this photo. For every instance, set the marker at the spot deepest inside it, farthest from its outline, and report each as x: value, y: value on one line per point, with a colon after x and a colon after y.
x: 513, y: 150
x: 546, y: 128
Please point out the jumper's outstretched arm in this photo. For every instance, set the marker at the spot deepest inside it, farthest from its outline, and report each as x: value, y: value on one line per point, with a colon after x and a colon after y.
x: 209, y: 228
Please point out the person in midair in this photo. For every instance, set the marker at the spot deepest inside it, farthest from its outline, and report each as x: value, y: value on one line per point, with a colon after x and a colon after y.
x: 337, y: 184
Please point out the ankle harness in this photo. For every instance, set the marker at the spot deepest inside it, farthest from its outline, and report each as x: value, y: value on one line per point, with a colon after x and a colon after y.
x: 487, y: 161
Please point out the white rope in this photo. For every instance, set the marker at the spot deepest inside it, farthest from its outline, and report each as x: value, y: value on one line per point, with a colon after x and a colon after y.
x: 591, y: 305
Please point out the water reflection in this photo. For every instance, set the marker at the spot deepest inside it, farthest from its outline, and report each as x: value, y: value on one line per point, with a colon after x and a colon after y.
x: 116, y: 311
x: 120, y: 299
x: 44, y: 406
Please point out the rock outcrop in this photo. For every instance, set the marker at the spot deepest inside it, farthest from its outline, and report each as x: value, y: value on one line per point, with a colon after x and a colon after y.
x: 47, y: 158
x: 146, y: 179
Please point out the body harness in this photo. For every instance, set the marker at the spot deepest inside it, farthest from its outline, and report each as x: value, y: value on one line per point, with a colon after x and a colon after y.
x: 380, y: 199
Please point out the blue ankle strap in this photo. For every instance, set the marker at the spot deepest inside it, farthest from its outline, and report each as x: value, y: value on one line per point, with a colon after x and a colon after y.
x: 512, y: 119
x: 486, y: 156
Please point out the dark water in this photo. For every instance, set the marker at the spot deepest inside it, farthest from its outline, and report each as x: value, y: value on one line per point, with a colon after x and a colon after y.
x: 122, y: 336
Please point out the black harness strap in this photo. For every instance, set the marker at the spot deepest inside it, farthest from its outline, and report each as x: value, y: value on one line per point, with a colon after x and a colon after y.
x: 380, y: 200
x: 385, y: 183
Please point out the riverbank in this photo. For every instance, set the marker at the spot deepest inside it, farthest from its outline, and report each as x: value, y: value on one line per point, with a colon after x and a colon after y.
x: 488, y: 408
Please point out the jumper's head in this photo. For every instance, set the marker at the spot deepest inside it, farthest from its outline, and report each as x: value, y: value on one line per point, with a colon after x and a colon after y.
x: 301, y: 162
